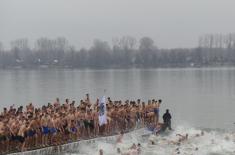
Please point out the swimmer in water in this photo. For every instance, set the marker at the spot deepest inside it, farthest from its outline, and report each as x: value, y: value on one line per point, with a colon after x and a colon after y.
x: 201, y: 134
x: 119, y: 151
x: 152, y: 140
x: 227, y: 138
x: 182, y: 137
x: 119, y: 138
x: 133, y: 150
x: 177, y: 150
x: 133, y: 146
x: 212, y: 141
x: 139, y: 148
x: 101, y: 152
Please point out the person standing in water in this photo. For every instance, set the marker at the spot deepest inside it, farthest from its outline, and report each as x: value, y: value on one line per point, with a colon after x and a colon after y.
x: 167, y: 120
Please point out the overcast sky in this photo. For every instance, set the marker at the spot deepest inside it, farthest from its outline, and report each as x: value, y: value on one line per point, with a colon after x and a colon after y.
x: 171, y: 23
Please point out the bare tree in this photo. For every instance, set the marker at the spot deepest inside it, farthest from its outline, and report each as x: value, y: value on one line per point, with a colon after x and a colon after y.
x: 213, y: 49
x: 147, y: 52
x: 21, y: 51
x: 99, y: 54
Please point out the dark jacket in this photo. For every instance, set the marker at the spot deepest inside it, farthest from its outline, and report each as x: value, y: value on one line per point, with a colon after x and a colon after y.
x: 167, y: 117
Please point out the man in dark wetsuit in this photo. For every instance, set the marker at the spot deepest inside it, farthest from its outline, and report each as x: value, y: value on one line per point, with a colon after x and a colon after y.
x: 167, y: 120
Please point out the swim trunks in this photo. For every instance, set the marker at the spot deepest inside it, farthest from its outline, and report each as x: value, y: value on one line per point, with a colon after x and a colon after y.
x: 18, y: 138
x: 74, y: 130
x: 3, y: 138
x: 91, y: 124
x: 52, y: 130
x: 86, y: 124
x: 45, y: 130
x: 31, y: 133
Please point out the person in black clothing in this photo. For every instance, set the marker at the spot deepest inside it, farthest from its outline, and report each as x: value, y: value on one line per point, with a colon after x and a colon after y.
x: 167, y: 120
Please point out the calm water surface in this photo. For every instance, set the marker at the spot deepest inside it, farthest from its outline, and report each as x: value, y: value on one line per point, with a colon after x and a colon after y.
x: 196, y: 97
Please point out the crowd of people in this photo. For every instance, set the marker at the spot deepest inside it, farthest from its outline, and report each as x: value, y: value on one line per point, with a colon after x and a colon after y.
x: 27, y: 128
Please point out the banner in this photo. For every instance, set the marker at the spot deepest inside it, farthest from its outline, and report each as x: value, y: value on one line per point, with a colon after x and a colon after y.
x: 102, y: 111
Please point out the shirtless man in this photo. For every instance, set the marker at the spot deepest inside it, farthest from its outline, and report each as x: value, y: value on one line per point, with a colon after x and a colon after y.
x: 77, y: 121
x: 111, y: 119
x: 38, y: 135
x: 65, y: 128
x: 150, y: 112
x: 53, y: 129
x: 73, y: 130
x: 57, y: 103
x: 30, y: 108
x: 21, y: 135
x: 31, y: 133
x: 133, y: 116
x: 87, y: 100
x: 89, y: 123
x: 66, y: 103
x: 116, y: 118
x: 7, y: 134
x: 128, y: 117
x: 121, y: 118
x: 3, y: 137
x: 14, y: 128
x: 138, y: 116
x: 81, y: 116
x: 156, y: 111
x: 92, y: 122
x: 143, y: 114
x: 45, y: 130
x: 59, y: 129
x: 95, y: 115
x: 70, y: 117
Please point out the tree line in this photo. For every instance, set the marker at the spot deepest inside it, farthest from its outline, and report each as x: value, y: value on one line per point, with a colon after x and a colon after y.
x: 125, y: 52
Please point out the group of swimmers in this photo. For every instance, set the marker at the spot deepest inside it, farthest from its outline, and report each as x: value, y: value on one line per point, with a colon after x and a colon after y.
x: 178, y: 140
x: 132, y: 150
x: 58, y: 123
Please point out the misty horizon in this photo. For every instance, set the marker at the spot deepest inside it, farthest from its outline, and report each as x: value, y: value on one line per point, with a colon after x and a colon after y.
x: 216, y: 40
x: 31, y: 42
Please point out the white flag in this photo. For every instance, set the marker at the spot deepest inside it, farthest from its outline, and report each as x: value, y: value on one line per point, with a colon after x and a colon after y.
x: 102, y: 111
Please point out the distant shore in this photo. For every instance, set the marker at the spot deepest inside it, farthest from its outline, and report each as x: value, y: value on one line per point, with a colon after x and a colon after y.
x: 48, y: 67
x: 126, y: 52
